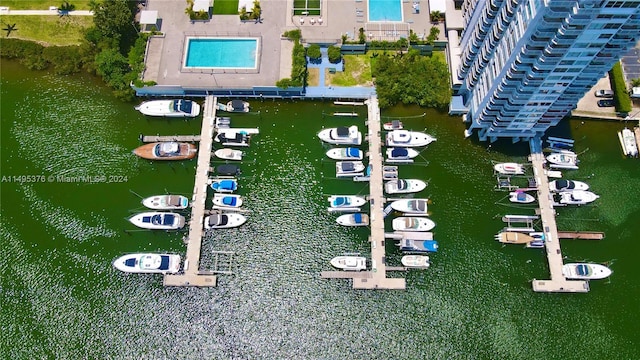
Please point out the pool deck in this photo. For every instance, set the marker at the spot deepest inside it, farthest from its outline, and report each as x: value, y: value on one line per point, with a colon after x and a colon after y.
x: 165, y: 53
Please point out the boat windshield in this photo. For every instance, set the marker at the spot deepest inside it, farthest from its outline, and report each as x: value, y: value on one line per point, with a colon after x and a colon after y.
x: 348, y: 166
x: 166, y: 149
x: 183, y: 106
x: 353, y: 152
x: 341, y: 201
x: 417, y: 205
x: 583, y: 270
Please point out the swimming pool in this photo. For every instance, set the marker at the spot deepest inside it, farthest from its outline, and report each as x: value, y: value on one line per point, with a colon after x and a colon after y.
x: 221, y: 53
x: 385, y: 10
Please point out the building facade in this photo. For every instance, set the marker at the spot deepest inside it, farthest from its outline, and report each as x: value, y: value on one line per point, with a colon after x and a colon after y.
x: 524, y: 64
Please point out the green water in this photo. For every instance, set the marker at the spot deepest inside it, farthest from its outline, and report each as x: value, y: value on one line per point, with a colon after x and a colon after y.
x: 62, y: 299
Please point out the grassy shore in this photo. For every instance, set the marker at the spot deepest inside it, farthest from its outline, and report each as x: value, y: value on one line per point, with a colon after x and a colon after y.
x: 49, y: 30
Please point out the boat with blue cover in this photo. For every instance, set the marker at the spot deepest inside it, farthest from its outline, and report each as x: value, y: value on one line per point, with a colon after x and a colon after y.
x: 227, y: 201
x: 349, y: 153
x: 170, y: 108
x: 521, y: 197
x: 224, y: 185
x: 401, y: 154
x: 585, y: 271
x: 148, y: 263
x: 357, y: 219
x: 419, y: 246
x: 155, y: 220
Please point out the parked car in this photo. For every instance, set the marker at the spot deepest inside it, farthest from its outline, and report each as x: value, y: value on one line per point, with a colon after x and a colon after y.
x: 606, y: 103
x: 604, y: 93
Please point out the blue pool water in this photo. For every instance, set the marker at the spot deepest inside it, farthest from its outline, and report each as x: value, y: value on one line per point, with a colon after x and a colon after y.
x: 222, y: 53
x: 385, y: 10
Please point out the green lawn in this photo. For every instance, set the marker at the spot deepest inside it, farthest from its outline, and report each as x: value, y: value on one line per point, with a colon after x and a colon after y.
x: 357, y: 72
x: 52, y: 30
x: 226, y: 7
x: 42, y: 4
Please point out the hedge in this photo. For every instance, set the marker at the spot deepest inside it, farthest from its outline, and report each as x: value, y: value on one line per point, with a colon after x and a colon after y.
x: 620, y: 92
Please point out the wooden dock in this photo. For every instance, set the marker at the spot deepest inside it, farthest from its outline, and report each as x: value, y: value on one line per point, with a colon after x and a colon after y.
x: 376, y: 278
x: 165, y: 138
x: 581, y: 235
x: 557, y: 283
x: 192, y: 276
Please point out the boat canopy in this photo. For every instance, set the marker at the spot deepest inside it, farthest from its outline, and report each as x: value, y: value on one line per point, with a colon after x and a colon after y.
x: 341, y: 201
x: 565, y: 184
x: 521, y: 196
x: 353, y: 152
x: 348, y: 166
x: 357, y: 218
x: 228, y: 169
x: 237, y: 105
x: 399, y: 152
x: 174, y: 200
x: 229, y: 200
x: 218, y: 220
x: 224, y: 185
x: 166, y: 149
x: 342, y: 131
x: 183, y: 106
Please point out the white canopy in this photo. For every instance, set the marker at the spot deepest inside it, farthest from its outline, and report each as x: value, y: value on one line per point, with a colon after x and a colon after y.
x: 148, y: 17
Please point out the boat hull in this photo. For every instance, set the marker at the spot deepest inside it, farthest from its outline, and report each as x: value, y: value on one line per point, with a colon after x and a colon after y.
x: 415, y: 261
x: 166, y: 202
x: 224, y: 221
x: 227, y: 201
x: 158, y: 220
x: 411, y: 206
x: 167, y: 108
x: 412, y: 223
x: 341, y: 136
x: 345, y: 154
x: 357, y: 219
x: 409, y: 186
x: 224, y: 185
x: 584, y: 271
x: 228, y: 154
x: 349, y: 263
x: 148, y: 263
x: 577, y: 197
x: 147, y: 151
x: 509, y: 168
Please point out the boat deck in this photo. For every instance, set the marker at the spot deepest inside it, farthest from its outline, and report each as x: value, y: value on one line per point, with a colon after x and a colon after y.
x: 557, y: 283
x: 192, y: 276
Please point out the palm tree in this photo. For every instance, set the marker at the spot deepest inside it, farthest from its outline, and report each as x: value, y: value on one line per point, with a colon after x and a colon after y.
x: 65, y: 8
x: 9, y: 29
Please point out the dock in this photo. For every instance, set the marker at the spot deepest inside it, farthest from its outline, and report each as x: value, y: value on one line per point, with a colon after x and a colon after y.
x: 557, y: 282
x: 192, y: 276
x: 166, y: 138
x: 581, y: 235
x: 376, y: 278
x: 354, y: 103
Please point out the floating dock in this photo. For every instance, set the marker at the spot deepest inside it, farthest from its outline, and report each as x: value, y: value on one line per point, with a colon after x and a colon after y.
x: 355, y: 103
x: 192, y: 276
x: 557, y: 283
x: 376, y: 278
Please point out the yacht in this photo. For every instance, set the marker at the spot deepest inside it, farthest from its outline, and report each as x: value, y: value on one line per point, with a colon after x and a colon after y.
x: 349, y: 263
x: 341, y: 135
x: 509, y: 168
x: 577, y: 197
x: 166, y: 151
x: 567, y: 185
x: 563, y: 161
x: 349, y: 168
x: 411, y: 206
x: 404, y: 186
x: 148, y: 263
x: 348, y: 153
x: 412, y: 223
x: 401, y: 154
x: 406, y: 138
x: 584, y: 271
x: 158, y: 220
x: 166, y: 202
x: 224, y: 221
x: 170, y: 108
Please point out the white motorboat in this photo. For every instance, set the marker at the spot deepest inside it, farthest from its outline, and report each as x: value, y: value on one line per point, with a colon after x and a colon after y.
x: 170, y: 108
x: 357, y: 219
x: 393, y: 125
x: 349, y: 168
x: 148, y: 263
x: 223, y: 185
x: 228, y: 154
x: 349, y: 263
x: 509, y: 168
x: 341, y: 135
x: 232, y: 138
x: 415, y: 261
x: 412, y: 223
x: 628, y: 140
x: 224, y: 221
x: 345, y: 202
x: 406, y: 138
x: 349, y: 153
x: 404, y: 186
x: 419, y: 246
x: 401, y: 154
x: 166, y: 202
x: 521, y: 197
x: 563, y: 161
x: 411, y: 206
x: 567, y: 185
x: 155, y: 220
x: 584, y: 271
x: 227, y: 201
x: 234, y: 106
x: 577, y: 197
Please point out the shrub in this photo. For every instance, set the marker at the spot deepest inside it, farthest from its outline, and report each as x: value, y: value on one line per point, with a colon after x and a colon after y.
x: 334, y: 54
x: 620, y: 92
x: 314, y: 54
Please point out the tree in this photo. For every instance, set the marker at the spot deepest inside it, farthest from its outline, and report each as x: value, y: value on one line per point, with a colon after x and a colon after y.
x: 314, y: 54
x: 334, y: 54
x: 113, y: 18
x: 65, y: 8
x: 433, y: 35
